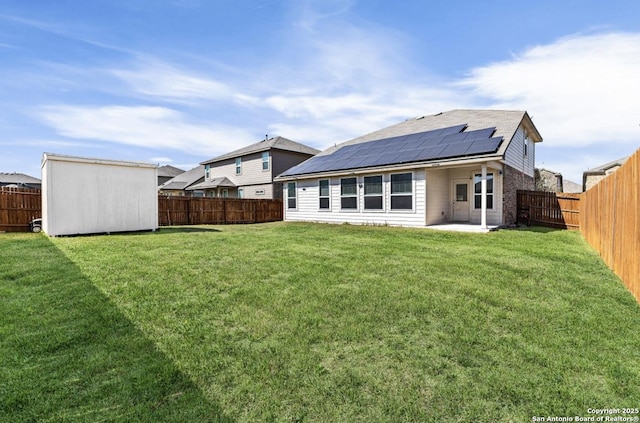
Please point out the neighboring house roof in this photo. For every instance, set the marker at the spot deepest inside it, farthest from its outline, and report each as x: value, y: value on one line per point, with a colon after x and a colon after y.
x: 168, y: 171
x: 444, y: 136
x: 275, y: 143
x: 214, y: 183
x: 185, y: 179
x: 17, y: 178
x: 571, y: 187
x: 602, y: 169
x: 552, y: 172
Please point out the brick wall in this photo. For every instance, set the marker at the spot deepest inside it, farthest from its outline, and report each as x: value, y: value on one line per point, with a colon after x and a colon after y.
x: 513, y: 180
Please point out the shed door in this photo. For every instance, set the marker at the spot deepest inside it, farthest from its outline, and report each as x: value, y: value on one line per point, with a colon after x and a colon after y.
x: 460, y: 196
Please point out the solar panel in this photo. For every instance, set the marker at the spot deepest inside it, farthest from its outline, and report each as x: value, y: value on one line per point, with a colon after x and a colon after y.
x: 454, y: 150
x: 422, y: 146
x: 484, y: 146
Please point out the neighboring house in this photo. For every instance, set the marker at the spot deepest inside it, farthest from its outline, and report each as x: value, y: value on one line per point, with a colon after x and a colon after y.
x: 167, y: 172
x: 19, y: 180
x: 552, y: 181
x: 548, y: 180
x: 595, y: 175
x: 456, y: 166
x: 181, y: 185
x: 249, y: 172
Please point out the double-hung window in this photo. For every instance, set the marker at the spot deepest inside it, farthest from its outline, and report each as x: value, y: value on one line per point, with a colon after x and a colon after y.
x: 348, y: 194
x: 238, y: 166
x: 207, y: 172
x: 323, y: 196
x: 291, y: 195
x: 373, y: 192
x: 265, y: 160
x: 402, y: 191
x: 477, y: 196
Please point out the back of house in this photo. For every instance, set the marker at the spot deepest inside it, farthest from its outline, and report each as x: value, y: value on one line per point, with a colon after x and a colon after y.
x: 456, y: 166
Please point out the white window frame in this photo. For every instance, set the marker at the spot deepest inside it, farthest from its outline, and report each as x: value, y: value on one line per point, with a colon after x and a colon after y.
x: 207, y: 172
x: 479, y: 194
x: 238, y: 166
x: 324, y: 197
x: 347, y: 196
x: 402, y: 194
x: 265, y: 161
x: 240, y: 192
x: 292, y: 186
x: 370, y: 195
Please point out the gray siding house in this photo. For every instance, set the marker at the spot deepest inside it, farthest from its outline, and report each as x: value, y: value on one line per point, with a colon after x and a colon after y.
x: 249, y: 172
x: 455, y: 166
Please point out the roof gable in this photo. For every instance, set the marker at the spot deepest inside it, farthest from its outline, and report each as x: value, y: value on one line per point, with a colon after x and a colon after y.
x: 277, y: 143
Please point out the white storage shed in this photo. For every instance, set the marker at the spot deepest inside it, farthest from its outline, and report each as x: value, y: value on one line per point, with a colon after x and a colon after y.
x: 88, y: 196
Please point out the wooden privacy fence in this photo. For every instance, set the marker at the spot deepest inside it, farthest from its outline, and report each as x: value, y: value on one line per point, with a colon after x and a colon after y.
x: 610, y: 221
x: 551, y: 209
x: 174, y: 210
x: 18, y: 206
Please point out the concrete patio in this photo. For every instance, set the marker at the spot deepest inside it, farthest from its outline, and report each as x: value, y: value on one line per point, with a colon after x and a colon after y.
x: 463, y: 227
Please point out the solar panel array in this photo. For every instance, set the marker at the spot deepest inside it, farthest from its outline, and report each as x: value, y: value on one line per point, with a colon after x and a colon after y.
x: 437, y: 144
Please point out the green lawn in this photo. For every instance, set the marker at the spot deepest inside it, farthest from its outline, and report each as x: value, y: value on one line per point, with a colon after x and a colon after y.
x: 307, y: 322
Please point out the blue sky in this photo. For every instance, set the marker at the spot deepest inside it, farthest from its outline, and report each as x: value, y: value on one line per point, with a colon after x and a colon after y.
x: 180, y: 81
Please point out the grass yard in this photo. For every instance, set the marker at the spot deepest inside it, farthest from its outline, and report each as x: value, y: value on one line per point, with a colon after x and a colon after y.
x: 307, y: 322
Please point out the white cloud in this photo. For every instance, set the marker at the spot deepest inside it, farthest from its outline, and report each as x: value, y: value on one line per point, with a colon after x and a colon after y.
x: 160, y: 160
x: 580, y: 90
x: 142, y: 126
x: 159, y: 79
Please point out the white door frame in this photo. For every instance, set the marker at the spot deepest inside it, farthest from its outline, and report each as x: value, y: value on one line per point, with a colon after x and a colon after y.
x: 466, y: 211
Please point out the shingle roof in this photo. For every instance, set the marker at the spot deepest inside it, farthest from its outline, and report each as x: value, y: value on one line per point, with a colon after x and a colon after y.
x: 214, y: 183
x: 169, y: 171
x: 602, y: 169
x: 475, y: 133
x: 17, y: 178
x: 184, y: 180
x: 437, y: 144
x: 277, y: 143
x: 506, y: 123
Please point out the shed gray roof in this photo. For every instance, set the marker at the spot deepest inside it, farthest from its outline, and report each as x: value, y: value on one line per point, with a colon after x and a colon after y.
x: 214, y: 183
x: 17, y: 178
x: 185, y: 179
x: 275, y: 143
x: 457, y: 133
